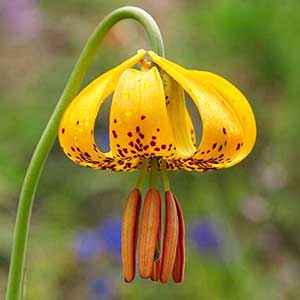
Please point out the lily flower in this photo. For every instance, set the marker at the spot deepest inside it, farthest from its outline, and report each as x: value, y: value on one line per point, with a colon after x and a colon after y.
x: 151, y: 129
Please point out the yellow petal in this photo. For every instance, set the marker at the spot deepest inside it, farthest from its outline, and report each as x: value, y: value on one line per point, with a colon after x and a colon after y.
x: 182, y: 126
x: 240, y: 105
x: 139, y: 122
x: 229, y: 129
x: 76, y: 130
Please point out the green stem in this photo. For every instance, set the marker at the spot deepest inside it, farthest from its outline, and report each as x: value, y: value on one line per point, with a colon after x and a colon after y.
x: 153, y: 174
x: 48, y: 137
x: 165, y: 177
x: 142, y: 176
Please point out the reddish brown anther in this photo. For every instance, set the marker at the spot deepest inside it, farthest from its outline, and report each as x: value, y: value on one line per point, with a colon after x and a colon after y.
x: 157, y: 259
x: 178, y: 270
x: 130, y: 225
x: 149, y: 230
x: 170, y: 238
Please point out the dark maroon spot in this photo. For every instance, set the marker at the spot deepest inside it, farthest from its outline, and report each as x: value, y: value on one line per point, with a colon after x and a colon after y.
x: 114, y: 134
x: 202, y: 152
x: 207, y: 151
x: 152, y: 143
x: 156, y: 149
x: 220, y: 148
x: 69, y: 154
x: 133, y: 152
x: 153, y: 137
x: 146, y: 147
x: 138, y: 148
x: 77, y: 123
x: 73, y: 149
x: 225, y: 143
x: 224, y: 130
x: 131, y: 144
x: 121, y: 152
x: 238, y: 147
x: 115, y: 121
x: 167, y: 97
x: 157, y: 129
x: 163, y: 146
x: 129, y: 134
x: 92, y: 131
x: 125, y: 150
x: 143, y: 117
x: 63, y: 131
x: 214, y: 145
x: 138, y: 141
x: 87, y: 154
x: 118, y: 145
x: 222, y: 155
x: 137, y: 129
x: 141, y: 135
x: 78, y: 149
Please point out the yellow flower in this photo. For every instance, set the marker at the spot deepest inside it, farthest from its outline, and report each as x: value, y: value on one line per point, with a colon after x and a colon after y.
x: 149, y: 122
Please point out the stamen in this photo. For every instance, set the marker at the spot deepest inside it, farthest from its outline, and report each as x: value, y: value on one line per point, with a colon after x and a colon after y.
x: 178, y: 270
x: 153, y: 173
x: 170, y: 238
x: 130, y: 225
x: 157, y: 258
x: 165, y: 176
x: 142, y: 176
x: 149, y: 230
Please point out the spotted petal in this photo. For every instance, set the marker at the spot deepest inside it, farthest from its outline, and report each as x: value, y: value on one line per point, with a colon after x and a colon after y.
x: 229, y: 129
x: 139, y: 122
x: 76, y: 132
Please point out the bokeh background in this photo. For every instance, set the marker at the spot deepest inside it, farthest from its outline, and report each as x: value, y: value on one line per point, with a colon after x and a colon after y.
x: 243, y: 223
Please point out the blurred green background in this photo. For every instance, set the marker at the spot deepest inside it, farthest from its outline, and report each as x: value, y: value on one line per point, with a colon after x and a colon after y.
x: 243, y: 223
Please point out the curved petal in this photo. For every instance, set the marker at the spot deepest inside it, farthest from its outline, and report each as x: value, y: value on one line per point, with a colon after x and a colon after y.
x: 76, y: 130
x: 229, y: 129
x: 182, y: 126
x: 139, y: 122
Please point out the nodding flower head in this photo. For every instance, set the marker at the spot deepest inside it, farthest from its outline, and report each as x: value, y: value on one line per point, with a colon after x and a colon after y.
x: 151, y: 129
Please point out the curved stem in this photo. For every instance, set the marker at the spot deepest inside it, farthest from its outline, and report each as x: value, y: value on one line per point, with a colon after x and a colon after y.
x: 41, y: 152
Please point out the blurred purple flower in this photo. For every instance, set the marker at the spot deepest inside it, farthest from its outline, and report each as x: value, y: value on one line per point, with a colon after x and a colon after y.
x: 88, y: 245
x: 110, y: 231
x: 101, y: 288
x: 102, y: 138
x: 22, y: 17
x: 206, y: 236
x: 103, y: 239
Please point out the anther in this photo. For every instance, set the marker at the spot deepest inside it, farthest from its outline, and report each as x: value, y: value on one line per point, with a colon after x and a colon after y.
x: 170, y: 238
x: 178, y: 270
x: 130, y: 225
x: 149, y: 230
